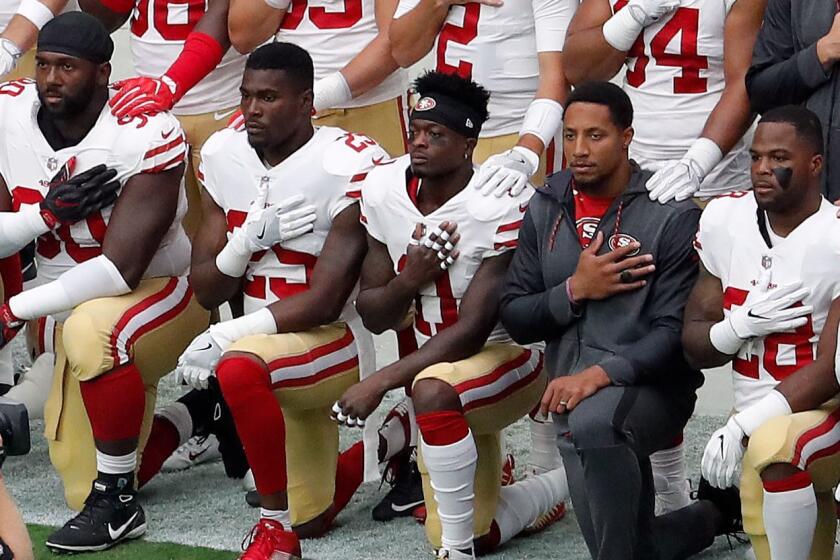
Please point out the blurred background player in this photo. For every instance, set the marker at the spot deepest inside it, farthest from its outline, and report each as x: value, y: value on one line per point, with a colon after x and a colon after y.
x: 432, y: 237
x: 182, y: 55
x: 514, y: 50
x: 358, y: 85
x: 685, y: 67
x: 287, y: 193
x: 21, y: 20
x: 778, y: 279
x: 111, y: 252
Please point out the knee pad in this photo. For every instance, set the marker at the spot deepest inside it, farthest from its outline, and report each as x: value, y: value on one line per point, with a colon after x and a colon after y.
x: 86, y: 346
x: 238, y: 375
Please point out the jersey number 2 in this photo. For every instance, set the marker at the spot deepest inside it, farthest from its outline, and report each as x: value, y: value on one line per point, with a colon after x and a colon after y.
x: 686, y: 22
x: 800, y: 340
x: 461, y: 34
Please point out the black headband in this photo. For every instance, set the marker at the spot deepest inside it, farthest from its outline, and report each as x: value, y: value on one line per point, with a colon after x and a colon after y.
x: 449, y: 112
x: 77, y: 34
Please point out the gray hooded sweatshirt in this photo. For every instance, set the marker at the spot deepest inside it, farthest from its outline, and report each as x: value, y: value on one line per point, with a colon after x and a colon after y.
x: 634, y: 336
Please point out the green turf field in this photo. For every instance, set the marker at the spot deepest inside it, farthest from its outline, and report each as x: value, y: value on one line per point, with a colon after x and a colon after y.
x: 131, y: 551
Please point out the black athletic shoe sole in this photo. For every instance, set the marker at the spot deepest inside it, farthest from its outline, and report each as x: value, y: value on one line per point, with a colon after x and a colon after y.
x: 135, y: 533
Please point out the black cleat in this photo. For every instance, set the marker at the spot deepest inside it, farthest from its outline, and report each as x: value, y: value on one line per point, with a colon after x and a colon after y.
x: 727, y: 502
x: 110, y: 516
x: 406, y: 492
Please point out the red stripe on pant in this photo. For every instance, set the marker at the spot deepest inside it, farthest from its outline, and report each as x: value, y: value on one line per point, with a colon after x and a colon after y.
x: 246, y: 386
x: 115, y: 402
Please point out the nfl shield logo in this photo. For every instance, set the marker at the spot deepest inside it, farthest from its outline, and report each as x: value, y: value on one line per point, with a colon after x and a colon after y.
x: 766, y: 262
x: 52, y: 164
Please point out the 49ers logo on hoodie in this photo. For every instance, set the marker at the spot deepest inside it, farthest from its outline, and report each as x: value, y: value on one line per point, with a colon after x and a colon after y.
x: 623, y: 240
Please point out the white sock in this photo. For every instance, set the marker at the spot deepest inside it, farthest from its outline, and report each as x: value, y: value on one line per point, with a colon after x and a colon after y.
x: 116, y: 464
x: 7, y: 369
x: 523, y: 502
x: 281, y: 516
x: 178, y: 415
x: 34, y: 387
x: 544, y: 455
x: 790, y: 519
x: 672, y: 488
x: 452, y: 475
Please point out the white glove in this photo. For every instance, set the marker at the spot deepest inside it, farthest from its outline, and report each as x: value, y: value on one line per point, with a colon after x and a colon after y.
x: 507, y: 172
x: 622, y: 29
x: 763, y: 312
x: 722, y: 458
x: 646, y: 12
x: 9, y: 56
x: 266, y: 226
x: 679, y: 180
x: 198, y: 361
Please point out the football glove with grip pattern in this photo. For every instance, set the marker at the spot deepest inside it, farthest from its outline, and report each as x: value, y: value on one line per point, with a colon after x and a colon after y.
x: 74, y: 199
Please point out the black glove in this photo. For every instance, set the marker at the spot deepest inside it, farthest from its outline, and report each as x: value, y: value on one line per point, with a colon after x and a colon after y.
x: 9, y: 325
x: 74, y: 199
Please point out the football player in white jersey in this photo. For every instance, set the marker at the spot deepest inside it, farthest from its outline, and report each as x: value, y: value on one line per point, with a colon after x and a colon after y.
x: 281, y: 223
x: 182, y: 56
x: 691, y: 110
x: 358, y: 85
x: 433, y: 238
x: 514, y: 49
x: 771, y: 270
x: 112, y: 256
x: 685, y: 67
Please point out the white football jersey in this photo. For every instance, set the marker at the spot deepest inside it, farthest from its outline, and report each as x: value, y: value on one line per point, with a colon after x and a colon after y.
x: 327, y: 171
x: 497, y: 48
x: 732, y: 248
x: 675, y: 78
x: 158, y: 31
x: 489, y: 226
x: 334, y: 32
x: 28, y: 164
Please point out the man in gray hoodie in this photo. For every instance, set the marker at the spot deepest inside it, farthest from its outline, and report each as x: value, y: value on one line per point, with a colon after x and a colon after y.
x: 602, y: 275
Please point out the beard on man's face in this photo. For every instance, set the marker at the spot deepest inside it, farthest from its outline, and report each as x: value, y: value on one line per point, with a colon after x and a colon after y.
x: 70, y: 104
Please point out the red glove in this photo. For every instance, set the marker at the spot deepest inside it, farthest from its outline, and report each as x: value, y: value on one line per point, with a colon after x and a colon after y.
x: 138, y: 96
x: 9, y: 325
x: 143, y: 96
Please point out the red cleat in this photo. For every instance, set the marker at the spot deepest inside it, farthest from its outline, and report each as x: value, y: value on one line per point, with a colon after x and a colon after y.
x: 546, y: 520
x: 269, y: 541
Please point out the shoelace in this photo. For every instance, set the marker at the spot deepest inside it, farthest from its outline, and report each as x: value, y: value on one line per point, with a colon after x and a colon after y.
x: 96, y: 501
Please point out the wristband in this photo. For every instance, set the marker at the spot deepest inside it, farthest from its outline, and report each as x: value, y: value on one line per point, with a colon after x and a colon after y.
x: 279, y: 4
x: 621, y: 30
x: 18, y: 229
x: 200, y: 56
x: 724, y: 339
x: 233, y: 259
x: 772, y: 405
x: 35, y: 12
x: 228, y: 332
x: 542, y: 119
x: 331, y: 91
x: 92, y: 279
x: 705, y: 153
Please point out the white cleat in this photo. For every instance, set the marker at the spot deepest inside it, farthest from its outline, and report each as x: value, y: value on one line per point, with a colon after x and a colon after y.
x: 196, y: 451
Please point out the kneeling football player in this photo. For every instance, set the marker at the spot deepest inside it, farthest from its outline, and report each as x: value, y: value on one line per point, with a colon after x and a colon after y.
x: 434, y: 239
x: 281, y: 222
x: 113, y: 258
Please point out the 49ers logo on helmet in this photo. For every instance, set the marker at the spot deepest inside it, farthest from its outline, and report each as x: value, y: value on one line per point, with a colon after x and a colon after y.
x: 623, y: 240
x: 425, y: 104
